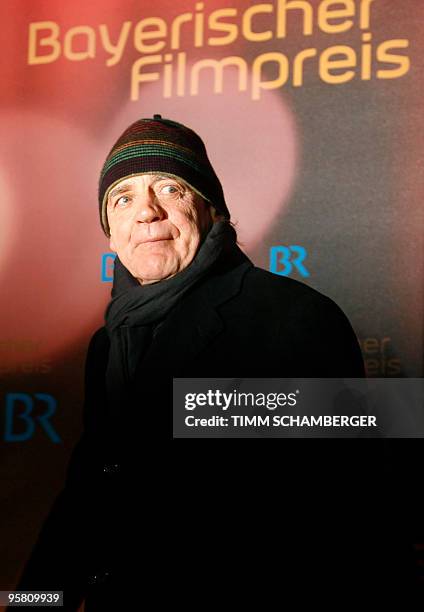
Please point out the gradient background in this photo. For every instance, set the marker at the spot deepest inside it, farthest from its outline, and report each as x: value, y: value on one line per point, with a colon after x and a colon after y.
x: 337, y: 169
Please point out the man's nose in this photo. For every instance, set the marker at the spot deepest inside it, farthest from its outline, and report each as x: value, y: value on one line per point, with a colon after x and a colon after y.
x: 148, y: 208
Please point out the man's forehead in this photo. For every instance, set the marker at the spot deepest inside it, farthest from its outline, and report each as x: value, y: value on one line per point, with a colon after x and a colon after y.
x: 128, y: 183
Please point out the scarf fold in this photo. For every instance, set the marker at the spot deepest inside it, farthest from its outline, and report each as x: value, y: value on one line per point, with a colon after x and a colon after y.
x: 135, y: 310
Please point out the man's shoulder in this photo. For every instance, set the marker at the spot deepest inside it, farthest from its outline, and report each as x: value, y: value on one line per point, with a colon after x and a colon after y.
x: 277, y: 288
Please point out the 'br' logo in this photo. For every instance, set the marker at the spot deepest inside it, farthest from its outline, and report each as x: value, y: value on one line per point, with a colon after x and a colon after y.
x: 108, y: 260
x: 282, y: 260
x: 19, y: 408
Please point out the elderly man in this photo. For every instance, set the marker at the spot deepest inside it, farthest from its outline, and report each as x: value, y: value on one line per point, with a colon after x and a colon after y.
x: 186, y: 302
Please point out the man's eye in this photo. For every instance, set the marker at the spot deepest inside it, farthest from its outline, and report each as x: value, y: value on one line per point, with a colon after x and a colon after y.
x: 122, y: 201
x: 169, y: 190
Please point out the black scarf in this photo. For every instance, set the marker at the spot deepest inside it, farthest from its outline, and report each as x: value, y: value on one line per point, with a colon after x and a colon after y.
x: 135, y: 310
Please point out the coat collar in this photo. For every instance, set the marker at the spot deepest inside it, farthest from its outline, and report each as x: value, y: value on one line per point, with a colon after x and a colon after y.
x: 195, y: 321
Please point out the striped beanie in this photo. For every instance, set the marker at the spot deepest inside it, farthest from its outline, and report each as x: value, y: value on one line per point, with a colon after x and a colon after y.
x: 160, y: 146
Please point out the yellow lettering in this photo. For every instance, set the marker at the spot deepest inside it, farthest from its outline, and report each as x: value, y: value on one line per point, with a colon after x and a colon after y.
x: 326, y: 64
x: 384, y: 341
x: 286, y: 5
x: 325, y: 14
x: 78, y: 56
x: 298, y: 65
x: 366, y: 61
x: 215, y: 24
x: 370, y: 346
x: 181, y: 73
x: 176, y: 27
x: 257, y: 83
x: 140, y: 36
x: 117, y: 50
x: 364, y: 19
x: 248, y: 33
x: 394, y: 367
x: 372, y: 367
x: 402, y: 61
x: 47, y: 41
x: 199, y: 25
x: 137, y: 77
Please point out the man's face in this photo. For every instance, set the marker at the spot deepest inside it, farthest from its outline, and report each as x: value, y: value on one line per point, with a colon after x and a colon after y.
x: 156, y: 224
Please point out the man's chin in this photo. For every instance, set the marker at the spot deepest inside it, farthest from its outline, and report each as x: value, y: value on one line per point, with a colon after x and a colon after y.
x: 148, y: 277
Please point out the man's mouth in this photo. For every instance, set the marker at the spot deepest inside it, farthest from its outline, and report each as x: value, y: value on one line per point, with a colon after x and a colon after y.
x: 147, y: 240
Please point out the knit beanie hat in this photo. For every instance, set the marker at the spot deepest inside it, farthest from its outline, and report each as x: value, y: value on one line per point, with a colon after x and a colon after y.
x: 160, y: 146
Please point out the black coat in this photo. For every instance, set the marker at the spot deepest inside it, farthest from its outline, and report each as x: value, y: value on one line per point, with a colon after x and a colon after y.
x: 240, y: 322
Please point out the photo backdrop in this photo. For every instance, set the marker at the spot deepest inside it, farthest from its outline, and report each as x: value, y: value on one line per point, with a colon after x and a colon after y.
x: 311, y: 112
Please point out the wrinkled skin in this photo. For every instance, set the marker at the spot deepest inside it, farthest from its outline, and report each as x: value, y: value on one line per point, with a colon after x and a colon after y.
x: 157, y: 224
